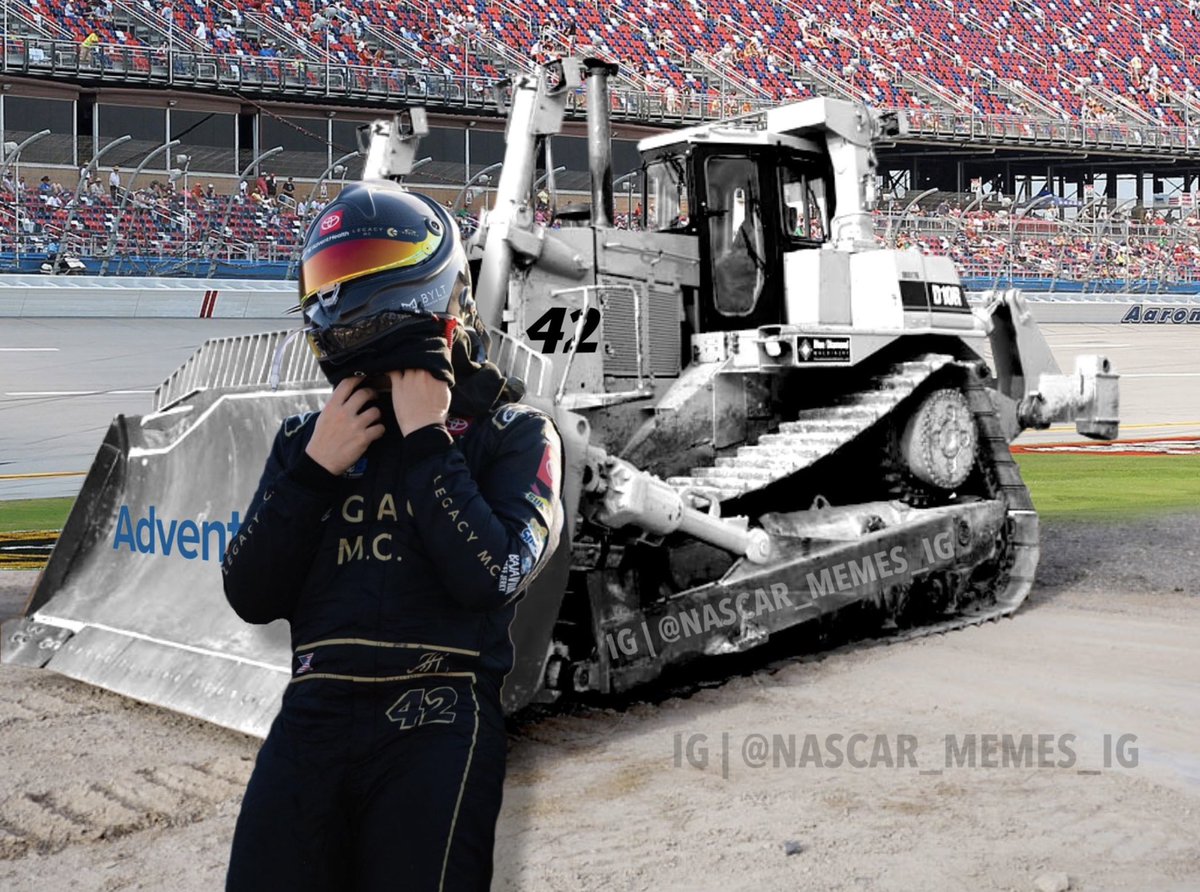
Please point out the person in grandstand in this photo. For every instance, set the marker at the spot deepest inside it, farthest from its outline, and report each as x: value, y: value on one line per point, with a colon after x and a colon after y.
x: 88, y: 48
x: 395, y: 531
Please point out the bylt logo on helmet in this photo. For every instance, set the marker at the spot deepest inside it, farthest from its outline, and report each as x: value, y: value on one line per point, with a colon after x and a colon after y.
x: 332, y: 223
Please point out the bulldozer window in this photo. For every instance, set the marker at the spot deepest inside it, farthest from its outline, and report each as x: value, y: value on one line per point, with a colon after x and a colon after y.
x: 666, y: 196
x: 735, y: 231
x: 804, y: 206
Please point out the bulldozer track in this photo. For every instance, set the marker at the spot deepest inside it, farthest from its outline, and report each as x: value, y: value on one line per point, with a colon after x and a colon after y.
x: 792, y: 449
x: 813, y: 435
x: 1004, y: 480
x: 1014, y: 565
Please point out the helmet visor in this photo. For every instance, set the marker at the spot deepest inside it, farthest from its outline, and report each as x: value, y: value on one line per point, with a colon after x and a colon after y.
x: 350, y: 259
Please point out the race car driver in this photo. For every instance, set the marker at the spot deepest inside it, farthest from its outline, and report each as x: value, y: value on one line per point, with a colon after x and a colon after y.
x: 395, y: 531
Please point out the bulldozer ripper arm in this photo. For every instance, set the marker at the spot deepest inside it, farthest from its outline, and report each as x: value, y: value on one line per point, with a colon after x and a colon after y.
x: 1089, y: 398
x: 634, y: 497
x: 1030, y: 389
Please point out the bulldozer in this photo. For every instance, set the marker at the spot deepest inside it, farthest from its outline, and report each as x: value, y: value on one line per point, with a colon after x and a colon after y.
x: 769, y: 418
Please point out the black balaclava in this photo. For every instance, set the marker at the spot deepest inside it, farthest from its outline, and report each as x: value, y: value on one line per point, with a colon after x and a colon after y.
x: 451, y: 352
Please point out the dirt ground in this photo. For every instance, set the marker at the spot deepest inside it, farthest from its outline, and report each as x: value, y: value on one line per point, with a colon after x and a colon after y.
x: 98, y: 792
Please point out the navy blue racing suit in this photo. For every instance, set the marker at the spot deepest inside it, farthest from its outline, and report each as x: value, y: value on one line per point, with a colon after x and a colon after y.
x: 384, y: 768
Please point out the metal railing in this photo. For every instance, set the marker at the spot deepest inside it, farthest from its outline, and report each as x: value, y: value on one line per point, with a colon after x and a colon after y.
x: 911, y: 79
x: 516, y: 358
x: 44, y: 25
x: 405, y: 54
x: 281, y: 358
x: 1115, y: 135
x: 242, y: 361
x: 1095, y: 246
x: 1029, y: 57
x: 269, y: 28
x: 159, y: 66
x: 1027, y: 97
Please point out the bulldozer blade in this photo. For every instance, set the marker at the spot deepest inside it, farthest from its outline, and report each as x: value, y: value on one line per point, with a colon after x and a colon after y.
x: 131, y: 599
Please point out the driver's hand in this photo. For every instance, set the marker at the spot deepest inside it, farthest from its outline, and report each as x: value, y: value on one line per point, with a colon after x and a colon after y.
x: 345, y: 428
x: 419, y: 399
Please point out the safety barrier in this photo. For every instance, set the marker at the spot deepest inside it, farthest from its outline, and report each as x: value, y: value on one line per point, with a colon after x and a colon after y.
x: 34, y: 296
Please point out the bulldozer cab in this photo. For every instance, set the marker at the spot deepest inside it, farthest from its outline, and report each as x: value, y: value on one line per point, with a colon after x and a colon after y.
x: 748, y: 206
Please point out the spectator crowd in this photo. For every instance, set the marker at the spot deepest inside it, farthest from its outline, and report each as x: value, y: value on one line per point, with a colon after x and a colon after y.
x: 262, y: 219
x: 1134, y: 61
x: 265, y: 219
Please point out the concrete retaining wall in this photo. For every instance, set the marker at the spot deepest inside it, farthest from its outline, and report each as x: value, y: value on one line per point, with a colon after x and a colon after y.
x: 1114, y: 309
x: 46, y: 296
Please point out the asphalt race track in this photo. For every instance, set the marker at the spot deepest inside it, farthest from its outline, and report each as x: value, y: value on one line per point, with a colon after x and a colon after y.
x: 1160, y: 376
x: 62, y: 381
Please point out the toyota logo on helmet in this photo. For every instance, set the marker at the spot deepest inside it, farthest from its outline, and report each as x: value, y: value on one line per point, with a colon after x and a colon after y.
x: 331, y: 223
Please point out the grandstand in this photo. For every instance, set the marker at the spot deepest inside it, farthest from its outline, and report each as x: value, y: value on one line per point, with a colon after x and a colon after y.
x: 1007, y: 103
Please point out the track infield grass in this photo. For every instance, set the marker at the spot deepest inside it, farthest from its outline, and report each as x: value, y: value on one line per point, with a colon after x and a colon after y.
x: 1110, y: 487
x: 34, y: 514
x: 1079, y: 487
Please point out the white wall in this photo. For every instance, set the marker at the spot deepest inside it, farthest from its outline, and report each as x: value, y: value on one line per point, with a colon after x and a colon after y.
x: 133, y: 297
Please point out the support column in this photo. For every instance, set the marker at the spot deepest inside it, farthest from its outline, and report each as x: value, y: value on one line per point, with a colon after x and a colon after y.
x: 87, y: 127
x: 247, y: 138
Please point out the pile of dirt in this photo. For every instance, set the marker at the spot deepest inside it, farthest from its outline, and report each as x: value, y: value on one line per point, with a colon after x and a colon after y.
x: 100, y: 792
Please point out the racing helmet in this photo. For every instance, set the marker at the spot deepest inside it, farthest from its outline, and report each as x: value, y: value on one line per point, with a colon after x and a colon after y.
x: 377, y: 261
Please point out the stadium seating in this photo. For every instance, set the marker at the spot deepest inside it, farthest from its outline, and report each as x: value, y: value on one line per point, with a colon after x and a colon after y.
x: 1103, y: 60
x: 984, y: 243
x: 1135, y: 60
x: 153, y: 224
x: 987, y: 244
